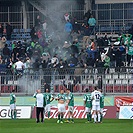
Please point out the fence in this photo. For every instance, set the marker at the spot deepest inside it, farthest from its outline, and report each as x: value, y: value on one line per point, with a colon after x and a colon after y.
x: 113, y: 17
x: 112, y: 81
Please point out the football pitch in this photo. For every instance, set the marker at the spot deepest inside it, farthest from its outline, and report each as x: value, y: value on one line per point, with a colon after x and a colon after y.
x: 50, y: 126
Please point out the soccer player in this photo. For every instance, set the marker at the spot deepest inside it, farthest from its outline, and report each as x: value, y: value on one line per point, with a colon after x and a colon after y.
x: 40, y: 104
x: 70, y: 105
x: 13, y: 105
x: 49, y: 99
x: 61, y: 105
x: 87, y: 105
x: 95, y: 96
x: 101, y: 105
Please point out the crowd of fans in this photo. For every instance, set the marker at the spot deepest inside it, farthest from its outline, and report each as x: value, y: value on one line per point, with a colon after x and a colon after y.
x: 63, y: 48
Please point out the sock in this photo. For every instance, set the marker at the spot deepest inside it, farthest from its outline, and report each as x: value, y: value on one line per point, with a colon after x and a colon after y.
x: 58, y: 116
x: 48, y: 114
x: 89, y: 116
x: 68, y: 119
x: 99, y: 117
x: 15, y: 114
x: 11, y: 114
x: 61, y: 117
x: 72, y: 119
x: 95, y: 118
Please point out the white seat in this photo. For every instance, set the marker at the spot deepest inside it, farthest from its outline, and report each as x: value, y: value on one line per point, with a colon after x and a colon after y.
x: 122, y: 76
x: 118, y: 81
x: 84, y: 82
x: 90, y: 81
x: 112, y: 70
x: 106, y: 81
x: 124, y: 81
x: 115, y: 76
x: 108, y: 76
x: 10, y: 82
x: 95, y: 81
x: 129, y: 76
x: 111, y: 81
x: 131, y: 81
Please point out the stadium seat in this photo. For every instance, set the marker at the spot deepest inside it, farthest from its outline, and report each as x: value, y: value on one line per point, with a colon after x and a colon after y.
x: 15, y: 30
x: 124, y: 82
x: 28, y: 30
x: 129, y: 76
x: 118, y: 81
x: 112, y: 70
x: 90, y: 81
x: 22, y: 30
x: 108, y: 76
x: 111, y: 81
x: 117, y: 89
x: 122, y: 76
x: 124, y: 88
x: 130, y: 81
x: 115, y: 76
x: 18, y: 36
x: 130, y: 88
x: 95, y: 82
x: 109, y: 89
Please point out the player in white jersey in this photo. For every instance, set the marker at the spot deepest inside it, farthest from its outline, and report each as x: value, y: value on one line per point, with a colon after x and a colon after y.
x: 95, y: 96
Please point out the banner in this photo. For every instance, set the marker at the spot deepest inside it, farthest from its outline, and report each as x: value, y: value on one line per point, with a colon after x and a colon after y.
x: 108, y: 112
x: 126, y: 112
x: 23, y: 112
x: 30, y: 101
x: 123, y: 101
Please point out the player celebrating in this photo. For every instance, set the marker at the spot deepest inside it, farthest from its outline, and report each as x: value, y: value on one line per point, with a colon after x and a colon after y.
x: 70, y: 104
x: 13, y: 105
x: 87, y: 105
x: 101, y: 105
x: 49, y: 99
x: 95, y: 96
x: 61, y: 105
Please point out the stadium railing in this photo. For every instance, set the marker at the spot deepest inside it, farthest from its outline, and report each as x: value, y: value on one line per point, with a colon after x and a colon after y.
x: 112, y: 81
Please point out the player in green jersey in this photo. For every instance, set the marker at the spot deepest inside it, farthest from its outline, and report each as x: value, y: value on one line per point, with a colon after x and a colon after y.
x: 87, y: 105
x: 70, y: 105
x: 13, y: 105
x: 61, y: 105
x: 49, y: 99
x: 101, y: 105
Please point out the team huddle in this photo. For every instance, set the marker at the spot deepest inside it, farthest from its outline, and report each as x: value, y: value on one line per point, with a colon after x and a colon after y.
x: 93, y: 105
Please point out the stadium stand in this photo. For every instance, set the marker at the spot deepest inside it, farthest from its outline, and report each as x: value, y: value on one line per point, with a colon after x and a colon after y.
x: 64, y: 60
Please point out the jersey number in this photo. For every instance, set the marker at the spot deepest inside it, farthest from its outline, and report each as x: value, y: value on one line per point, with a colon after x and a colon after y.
x: 97, y: 96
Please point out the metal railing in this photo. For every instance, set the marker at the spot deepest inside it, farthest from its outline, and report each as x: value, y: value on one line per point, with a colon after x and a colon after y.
x: 112, y: 80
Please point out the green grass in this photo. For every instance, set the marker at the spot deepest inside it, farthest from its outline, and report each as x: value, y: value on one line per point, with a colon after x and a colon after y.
x: 50, y: 126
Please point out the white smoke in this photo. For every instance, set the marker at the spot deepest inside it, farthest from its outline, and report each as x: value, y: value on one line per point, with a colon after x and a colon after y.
x: 29, y: 84
x: 56, y: 9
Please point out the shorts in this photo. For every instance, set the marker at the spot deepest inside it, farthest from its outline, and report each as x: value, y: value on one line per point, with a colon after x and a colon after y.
x: 96, y: 107
x: 13, y: 106
x: 61, y: 108
x: 101, y: 110
x: 70, y: 108
x: 47, y: 108
x: 87, y: 109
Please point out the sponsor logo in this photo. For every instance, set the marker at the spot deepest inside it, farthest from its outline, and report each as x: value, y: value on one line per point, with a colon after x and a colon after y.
x: 21, y: 112
x: 126, y: 112
x: 5, y: 113
x: 79, y: 112
x: 123, y: 101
